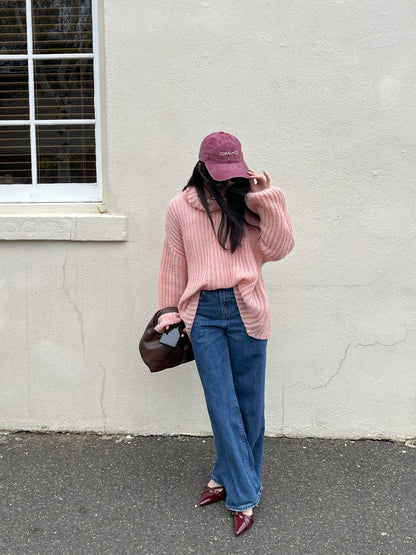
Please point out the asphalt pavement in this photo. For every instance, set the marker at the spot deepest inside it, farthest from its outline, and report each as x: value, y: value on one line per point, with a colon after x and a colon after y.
x: 91, y: 494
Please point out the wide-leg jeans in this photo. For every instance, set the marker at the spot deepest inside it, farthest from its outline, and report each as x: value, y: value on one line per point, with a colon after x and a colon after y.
x: 231, y: 366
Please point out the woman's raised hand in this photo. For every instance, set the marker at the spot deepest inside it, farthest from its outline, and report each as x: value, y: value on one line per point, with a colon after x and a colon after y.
x: 258, y: 182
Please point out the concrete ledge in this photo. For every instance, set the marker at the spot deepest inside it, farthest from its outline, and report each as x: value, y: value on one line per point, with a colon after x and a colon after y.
x: 65, y: 227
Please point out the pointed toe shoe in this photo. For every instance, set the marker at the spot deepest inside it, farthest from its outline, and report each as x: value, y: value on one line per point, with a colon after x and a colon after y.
x: 241, y: 522
x: 212, y: 495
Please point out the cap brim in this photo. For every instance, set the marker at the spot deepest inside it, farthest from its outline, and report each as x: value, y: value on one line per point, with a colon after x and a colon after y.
x: 221, y: 172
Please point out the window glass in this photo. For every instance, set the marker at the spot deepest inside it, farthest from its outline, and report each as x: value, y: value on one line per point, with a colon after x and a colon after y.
x: 14, y: 89
x: 66, y: 154
x: 61, y: 27
x: 13, y: 27
x: 64, y: 88
x: 15, y: 162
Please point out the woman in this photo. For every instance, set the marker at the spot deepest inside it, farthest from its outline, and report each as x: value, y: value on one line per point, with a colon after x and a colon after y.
x: 220, y: 230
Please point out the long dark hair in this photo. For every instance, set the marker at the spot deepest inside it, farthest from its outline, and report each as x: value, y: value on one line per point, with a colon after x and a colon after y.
x: 232, y: 204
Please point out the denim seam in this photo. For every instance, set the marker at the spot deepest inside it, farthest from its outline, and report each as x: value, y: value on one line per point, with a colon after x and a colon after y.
x: 243, y: 433
x: 244, y: 439
x: 226, y: 297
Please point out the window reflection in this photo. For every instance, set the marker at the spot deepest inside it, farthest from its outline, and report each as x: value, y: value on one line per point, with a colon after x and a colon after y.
x: 13, y: 27
x: 66, y: 154
x: 14, y: 90
x: 15, y: 161
x: 60, y: 27
x: 64, y: 88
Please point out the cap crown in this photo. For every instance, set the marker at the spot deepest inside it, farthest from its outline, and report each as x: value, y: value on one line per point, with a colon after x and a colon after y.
x: 220, y: 148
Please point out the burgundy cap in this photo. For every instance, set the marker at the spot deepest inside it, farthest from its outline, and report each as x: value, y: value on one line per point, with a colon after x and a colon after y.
x: 223, y: 157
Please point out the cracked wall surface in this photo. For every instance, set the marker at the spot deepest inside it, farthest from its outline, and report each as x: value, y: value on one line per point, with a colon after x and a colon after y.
x: 321, y: 96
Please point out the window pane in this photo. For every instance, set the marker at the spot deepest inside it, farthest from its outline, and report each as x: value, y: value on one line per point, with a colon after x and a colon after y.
x: 13, y: 27
x: 66, y: 154
x: 14, y: 90
x: 15, y: 163
x: 64, y: 88
x: 61, y: 26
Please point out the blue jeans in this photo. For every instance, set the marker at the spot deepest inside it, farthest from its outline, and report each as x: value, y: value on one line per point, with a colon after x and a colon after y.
x: 231, y: 365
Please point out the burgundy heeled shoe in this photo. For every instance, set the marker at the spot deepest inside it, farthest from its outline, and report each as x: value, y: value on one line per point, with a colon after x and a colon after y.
x: 212, y: 495
x: 241, y: 522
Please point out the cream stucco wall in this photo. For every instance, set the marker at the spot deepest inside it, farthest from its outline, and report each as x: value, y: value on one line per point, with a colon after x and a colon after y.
x: 322, y: 95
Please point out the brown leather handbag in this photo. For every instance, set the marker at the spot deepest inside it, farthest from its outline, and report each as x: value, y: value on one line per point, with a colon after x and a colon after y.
x: 158, y: 356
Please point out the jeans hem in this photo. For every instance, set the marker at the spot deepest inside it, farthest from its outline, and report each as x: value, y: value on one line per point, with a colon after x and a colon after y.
x: 247, y: 506
x: 213, y: 478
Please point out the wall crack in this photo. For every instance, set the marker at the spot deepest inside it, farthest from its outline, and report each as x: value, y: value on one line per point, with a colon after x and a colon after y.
x: 337, y: 371
x: 76, y: 309
x: 355, y: 346
x: 384, y: 344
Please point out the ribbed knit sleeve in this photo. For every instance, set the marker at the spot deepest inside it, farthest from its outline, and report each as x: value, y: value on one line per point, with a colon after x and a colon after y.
x: 276, y: 237
x: 173, y: 273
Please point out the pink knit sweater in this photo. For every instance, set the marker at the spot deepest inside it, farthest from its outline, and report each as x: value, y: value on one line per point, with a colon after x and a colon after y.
x: 193, y: 259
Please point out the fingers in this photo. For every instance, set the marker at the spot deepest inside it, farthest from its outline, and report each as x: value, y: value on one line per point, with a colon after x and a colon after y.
x: 254, y: 175
x: 258, y: 176
x: 261, y: 180
x: 267, y: 178
x: 167, y: 329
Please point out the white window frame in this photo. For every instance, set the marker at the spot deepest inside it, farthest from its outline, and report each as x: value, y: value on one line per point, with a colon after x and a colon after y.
x: 57, y: 192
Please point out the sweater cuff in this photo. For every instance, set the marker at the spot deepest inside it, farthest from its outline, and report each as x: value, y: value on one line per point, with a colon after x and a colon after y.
x: 167, y: 319
x: 260, y: 198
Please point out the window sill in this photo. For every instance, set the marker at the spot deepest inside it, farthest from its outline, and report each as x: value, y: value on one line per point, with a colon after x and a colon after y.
x: 65, y: 227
